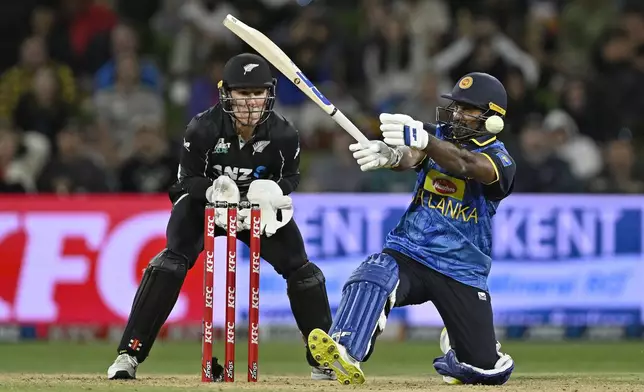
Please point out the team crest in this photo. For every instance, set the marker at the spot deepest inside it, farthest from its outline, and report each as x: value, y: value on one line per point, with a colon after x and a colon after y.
x: 259, y: 146
x: 466, y: 82
x: 221, y: 147
x: 249, y: 67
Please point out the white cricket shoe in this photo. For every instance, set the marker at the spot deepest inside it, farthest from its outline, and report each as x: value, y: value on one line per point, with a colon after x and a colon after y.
x: 123, y: 368
x: 331, y: 354
x: 319, y: 373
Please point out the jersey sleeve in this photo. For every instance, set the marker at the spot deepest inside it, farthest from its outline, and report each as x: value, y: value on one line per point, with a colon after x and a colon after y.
x: 288, y: 177
x: 193, y: 163
x: 505, y: 168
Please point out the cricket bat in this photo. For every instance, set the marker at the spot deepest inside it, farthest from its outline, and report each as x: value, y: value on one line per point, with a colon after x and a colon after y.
x: 276, y: 56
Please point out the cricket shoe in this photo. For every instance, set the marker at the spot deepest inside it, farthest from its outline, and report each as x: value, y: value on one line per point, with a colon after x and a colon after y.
x: 319, y: 373
x: 446, y: 346
x: 123, y: 368
x: 331, y: 354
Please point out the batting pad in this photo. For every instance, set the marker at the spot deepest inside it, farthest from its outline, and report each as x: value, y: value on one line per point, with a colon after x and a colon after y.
x: 362, y: 307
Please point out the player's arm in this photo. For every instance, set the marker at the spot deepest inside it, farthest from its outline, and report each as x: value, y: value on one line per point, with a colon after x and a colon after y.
x: 193, y: 161
x: 462, y: 162
x: 378, y: 155
x: 504, y: 168
x: 401, y: 130
x: 288, y: 177
x: 410, y: 158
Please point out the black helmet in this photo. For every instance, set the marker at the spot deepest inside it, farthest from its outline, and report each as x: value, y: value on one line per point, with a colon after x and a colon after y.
x: 247, y: 71
x: 478, y: 90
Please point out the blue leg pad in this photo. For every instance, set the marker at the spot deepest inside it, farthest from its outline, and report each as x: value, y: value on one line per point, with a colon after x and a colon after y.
x: 362, y: 308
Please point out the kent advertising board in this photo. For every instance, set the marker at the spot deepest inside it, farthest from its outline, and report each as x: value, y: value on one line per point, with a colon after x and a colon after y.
x: 558, y: 260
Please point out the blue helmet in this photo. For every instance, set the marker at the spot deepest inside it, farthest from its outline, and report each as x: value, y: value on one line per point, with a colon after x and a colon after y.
x: 474, y: 90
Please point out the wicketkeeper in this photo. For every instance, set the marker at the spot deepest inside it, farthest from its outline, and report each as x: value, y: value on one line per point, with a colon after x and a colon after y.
x: 238, y: 149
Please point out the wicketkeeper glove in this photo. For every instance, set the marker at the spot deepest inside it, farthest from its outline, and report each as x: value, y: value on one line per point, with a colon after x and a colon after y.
x: 223, y: 189
x: 270, y: 198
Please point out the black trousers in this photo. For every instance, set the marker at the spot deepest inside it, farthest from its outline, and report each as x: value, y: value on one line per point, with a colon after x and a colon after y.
x: 465, y: 310
x: 164, y: 277
x: 284, y: 250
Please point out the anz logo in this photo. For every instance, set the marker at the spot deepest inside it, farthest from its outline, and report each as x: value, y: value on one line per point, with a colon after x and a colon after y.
x: 258, y: 171
x: 239, y: 173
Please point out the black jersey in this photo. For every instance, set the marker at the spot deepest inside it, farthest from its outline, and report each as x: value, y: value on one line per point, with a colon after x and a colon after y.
x: 212, y: 148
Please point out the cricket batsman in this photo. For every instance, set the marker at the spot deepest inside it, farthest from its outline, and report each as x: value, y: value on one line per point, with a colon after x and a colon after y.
x: 440, y: 249
x: 238, y: 149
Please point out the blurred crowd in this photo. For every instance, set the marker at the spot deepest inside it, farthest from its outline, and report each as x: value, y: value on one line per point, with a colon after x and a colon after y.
x: 95, y: 94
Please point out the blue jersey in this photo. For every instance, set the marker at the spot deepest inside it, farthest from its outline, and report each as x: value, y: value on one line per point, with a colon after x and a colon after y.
x: 448, y: 225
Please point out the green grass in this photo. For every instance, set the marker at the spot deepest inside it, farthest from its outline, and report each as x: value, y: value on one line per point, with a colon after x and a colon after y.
x: 175, y: 366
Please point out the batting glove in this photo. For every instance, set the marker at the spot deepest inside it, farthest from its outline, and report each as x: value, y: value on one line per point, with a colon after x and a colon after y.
x: 402, y: 130
x: 376, y: 155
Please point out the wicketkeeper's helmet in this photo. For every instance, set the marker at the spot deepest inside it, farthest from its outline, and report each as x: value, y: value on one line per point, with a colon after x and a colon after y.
x: 247, y: 71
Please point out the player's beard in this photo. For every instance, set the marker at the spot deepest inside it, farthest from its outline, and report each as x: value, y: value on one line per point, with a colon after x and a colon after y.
x: 466, y: 127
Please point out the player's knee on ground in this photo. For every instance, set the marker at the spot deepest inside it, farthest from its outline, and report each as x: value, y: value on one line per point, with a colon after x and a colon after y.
x: 480, y: 354
x: 482, y: 360
x: 367, y: 297
x: 455, y: 371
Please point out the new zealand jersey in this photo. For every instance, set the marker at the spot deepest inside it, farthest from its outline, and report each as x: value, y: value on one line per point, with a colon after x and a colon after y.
x: 448, y: 225
x: 212, y: 148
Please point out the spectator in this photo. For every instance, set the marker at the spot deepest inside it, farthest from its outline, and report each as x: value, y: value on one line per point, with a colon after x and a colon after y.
x: 429, y: 21
x: 42, y: 109
x: 584, y: 109
x: 201, y: 28
x: 522, y: 101
x: 582, y: 22
x: 623, y: 172
x: 539, y: 170
x: 335, y: 172
x: 43, y: 19
x: 79, y: 22
x: 22, y: 157
x: 388, y: 61
x: 613, y: 60
x: 124, y: 41
x: 11, y: 180
x: 485, y: 48
x: 632, y: 20
x: 119, y: 106
x: 204, y: 92
x: 580, y: 151
x: 423, y: 103
x: 307, y: 43
x: 151, y: 168
x: 18, y: 80
x: 72, y: 170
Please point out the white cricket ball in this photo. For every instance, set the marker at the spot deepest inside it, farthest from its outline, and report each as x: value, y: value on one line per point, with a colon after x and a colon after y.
x: 494, y: 124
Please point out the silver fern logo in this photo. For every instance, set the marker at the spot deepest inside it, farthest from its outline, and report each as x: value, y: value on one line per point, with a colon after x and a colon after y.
x: 249, y: 67
x: 259, y: 146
